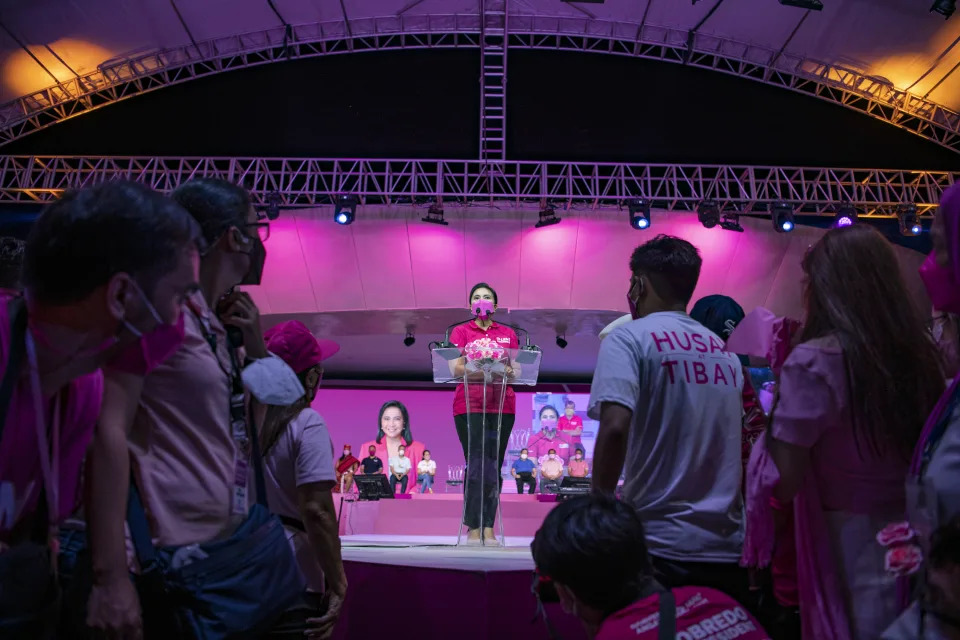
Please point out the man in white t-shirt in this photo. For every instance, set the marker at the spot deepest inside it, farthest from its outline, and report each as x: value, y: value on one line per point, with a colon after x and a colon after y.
x: 668, y: 400
x: 399, y: 470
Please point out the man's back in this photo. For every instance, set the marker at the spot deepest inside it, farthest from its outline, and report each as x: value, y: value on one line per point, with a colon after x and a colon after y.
x: 682, y: 468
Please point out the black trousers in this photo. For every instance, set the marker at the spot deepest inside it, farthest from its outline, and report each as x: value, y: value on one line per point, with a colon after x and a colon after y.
x: 728, y: 578
x: 484, y: 456
x: 526, y: 479
x: 402, y: 481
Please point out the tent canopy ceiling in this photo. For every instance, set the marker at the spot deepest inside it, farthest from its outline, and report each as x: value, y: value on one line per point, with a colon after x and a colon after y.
x: 894, y: 41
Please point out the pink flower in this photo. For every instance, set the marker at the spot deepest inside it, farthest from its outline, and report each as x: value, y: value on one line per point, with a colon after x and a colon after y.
x: 903, y: 560
x: 895, y: 533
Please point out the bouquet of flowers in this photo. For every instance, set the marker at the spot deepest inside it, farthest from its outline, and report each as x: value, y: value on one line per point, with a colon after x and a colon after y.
x: 483, y: 351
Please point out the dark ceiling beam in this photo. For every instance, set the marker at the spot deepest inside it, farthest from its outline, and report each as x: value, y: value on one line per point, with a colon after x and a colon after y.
x: 183, y: 23
x: 31, y: 54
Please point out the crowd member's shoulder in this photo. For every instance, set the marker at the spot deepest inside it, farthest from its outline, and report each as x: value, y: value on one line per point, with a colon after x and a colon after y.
x: 820, y: 355
x: 310, y: 418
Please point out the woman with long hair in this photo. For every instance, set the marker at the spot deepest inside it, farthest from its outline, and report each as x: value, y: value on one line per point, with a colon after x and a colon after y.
x: 484, y: 424
x: 393, y: 432
x: 851, y: 403
x: 299, y: 476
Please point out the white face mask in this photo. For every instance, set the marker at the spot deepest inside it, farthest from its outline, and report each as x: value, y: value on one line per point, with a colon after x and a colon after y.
x: 400, y: 453
x: 552, y: 456
x: 523, y: 456
x: 346, y: 452
x: 579, y: 456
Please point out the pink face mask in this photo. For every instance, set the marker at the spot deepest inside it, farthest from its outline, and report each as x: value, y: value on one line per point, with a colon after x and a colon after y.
x: 149, y: 350
x: 942, y: 287
x: 548, y: 423
x: 483, y: 308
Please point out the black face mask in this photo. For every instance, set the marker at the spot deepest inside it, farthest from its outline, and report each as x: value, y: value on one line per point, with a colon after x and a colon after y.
x: 258, y: 256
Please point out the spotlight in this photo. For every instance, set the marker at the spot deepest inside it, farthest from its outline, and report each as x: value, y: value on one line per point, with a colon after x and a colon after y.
x: 434, y: 215
x: 846, y: 215
x: 345, y: 209
x: 562, y: 342
x: 944, y: 7
x: 409, y: 339
x: 782, y: 215
x: 639, y: 213
x: 731, y: 222
x: 708, y: 213
x: 909, y: 222
x: 273, y: 202
x: 814, y: 5
x: 548, y: 216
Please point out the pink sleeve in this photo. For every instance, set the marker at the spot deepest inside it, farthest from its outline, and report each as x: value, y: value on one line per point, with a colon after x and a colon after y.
x: 806, y: 404
x: 456, y: 336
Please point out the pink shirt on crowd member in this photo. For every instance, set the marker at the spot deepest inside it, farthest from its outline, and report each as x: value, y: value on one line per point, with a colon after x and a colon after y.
x: 414, y: 451
x: 701, y: 613
x: 302, y: 454
x: 21, y: 479
x: 566, y: 425
x: 578, y: 468
x: 181, y: 442
x: 843, y: 501
x: 540, y: 445
x: 506, y: 338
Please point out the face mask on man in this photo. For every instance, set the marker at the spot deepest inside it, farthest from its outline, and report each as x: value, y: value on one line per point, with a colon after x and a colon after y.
x: 941, y: 284
x: 579, y: 456
x: 373, y: 452
x: 258, y: 257
x: 523, y: 456
x: 551, y: 456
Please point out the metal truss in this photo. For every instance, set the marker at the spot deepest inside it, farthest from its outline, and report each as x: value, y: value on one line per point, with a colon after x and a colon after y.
x: 121, y: 79
x: 493, y: 79
x: 303, y: 182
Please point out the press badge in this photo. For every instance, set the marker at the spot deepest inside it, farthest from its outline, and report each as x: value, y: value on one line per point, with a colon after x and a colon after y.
x: 240, y: 486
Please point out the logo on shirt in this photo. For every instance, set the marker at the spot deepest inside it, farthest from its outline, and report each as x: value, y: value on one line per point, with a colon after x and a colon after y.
x: 503, y: 339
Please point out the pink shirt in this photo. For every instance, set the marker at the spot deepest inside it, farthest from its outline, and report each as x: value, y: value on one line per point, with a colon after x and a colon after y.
x: 540, y: 445
x: 20, y: 477
x: 701, y: 613
x: 566, y: 424
x: 414, y: 451
x: 578, y: 469
x: 814, y: 412
x: 181, y: 441
x: 469, y: 332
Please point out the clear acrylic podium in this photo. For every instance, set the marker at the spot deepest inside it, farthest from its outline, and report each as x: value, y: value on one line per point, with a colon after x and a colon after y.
x: 485, y: 377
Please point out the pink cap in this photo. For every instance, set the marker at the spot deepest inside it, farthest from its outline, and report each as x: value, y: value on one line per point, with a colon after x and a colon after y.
x: 294, y: 344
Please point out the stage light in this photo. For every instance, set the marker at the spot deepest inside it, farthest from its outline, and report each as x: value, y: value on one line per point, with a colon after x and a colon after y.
x: 434, y: 215
x: 731, y: 222
x: 273, y: 202
x: 548, y: 216
x: 944, y: 7
x: 813, y: 5
x: 782, y: 215
x: 409, y: 340
x: 562, y: 342
x: 345, y: 209
x: 909, y: 222
x: 639, y: 213
x: 708, y: 213
x: 846, y: 215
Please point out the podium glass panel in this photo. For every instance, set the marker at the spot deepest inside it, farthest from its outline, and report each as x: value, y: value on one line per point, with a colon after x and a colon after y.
x: 485, y: 377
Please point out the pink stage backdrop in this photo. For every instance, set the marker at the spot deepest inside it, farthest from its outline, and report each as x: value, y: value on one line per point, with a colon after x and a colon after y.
x: 351, y: 416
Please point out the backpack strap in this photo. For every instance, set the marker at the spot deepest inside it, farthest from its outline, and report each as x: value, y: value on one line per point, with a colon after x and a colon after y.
x: 667, y: 628
x: 17, y: 310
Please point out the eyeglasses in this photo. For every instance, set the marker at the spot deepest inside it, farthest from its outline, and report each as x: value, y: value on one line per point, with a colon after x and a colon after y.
x: 263, y: 229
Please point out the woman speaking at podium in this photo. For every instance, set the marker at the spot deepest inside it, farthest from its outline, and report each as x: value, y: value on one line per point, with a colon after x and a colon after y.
x: 477, y: 427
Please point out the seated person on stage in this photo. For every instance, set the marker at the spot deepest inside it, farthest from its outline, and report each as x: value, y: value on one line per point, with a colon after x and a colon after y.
x: 524, y: 471
x: 570, y: 424
x: 551, y: 470
x: 393, y: 431
x: 549, y: 438
x: 578, y: 467
x: 426, y: 470
x: 591, y: 549
x: 399, y: 470
x: 346, y: 466
x: 371, y: 464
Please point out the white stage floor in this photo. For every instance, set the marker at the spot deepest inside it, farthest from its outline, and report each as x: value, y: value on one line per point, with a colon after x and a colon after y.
x: 437, y: 552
